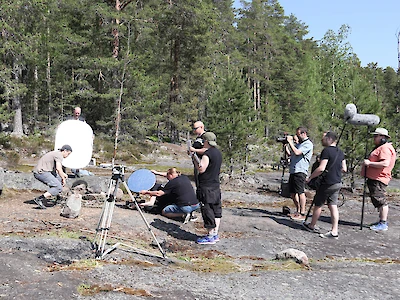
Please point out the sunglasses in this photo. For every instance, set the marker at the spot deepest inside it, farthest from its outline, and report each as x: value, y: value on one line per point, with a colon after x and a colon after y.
x: 195, y: 128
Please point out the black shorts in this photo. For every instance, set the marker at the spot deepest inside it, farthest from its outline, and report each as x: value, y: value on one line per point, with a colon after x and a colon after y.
x: 297, y: 183
x: 211, y: 206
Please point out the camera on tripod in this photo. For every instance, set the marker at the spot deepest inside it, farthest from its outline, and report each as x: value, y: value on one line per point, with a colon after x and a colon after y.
x: 282, y: 139
x: 118, y: 172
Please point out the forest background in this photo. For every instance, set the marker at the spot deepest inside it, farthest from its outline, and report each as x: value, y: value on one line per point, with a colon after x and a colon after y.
x: 156, y: 66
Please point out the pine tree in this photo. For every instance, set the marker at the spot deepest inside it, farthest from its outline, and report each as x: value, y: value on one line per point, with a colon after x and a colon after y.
x: 230, y: 116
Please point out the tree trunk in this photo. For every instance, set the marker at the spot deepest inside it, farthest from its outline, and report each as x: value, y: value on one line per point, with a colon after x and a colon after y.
x: 115, y: 32
x: 48, y: 79
x: 16, y: 103
x: 35, y: 103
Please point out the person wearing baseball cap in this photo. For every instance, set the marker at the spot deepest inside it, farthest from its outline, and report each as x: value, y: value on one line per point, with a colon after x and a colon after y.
x: 49, y: 170
x: 209, y: 191
x: 378, y: 171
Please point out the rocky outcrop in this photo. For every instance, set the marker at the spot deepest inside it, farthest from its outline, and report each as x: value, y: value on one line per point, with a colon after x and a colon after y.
x: 26, y: 181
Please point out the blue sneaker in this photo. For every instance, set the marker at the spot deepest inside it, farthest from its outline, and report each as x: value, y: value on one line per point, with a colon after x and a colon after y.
x: 216, y: 238
x: 207, y: 240
x: 380, y: 227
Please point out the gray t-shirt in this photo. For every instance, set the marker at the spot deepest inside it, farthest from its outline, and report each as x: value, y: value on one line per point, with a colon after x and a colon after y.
x: 47, y: 163
x: 300, y: 163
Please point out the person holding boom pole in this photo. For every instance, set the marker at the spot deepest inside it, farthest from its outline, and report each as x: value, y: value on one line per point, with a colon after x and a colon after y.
x: 377, y: 169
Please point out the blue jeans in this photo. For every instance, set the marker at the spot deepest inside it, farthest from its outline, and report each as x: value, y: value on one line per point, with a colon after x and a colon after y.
x: 175, y: 209
x: 50, y: 180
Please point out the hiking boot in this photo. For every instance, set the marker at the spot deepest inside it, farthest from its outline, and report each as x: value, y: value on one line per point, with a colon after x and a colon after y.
x: 329, y: 235
x: 308, y: 228
x: 39, y: 202
x: 207, y: 240
x: 380, y: 227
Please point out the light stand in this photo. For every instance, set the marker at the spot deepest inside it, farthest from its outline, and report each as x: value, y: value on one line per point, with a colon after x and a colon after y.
x: 104, y: 224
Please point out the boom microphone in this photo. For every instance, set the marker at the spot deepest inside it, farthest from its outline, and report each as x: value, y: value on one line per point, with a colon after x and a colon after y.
x: 364, y: 119
x: 350, y: 111
x: 351, y: 116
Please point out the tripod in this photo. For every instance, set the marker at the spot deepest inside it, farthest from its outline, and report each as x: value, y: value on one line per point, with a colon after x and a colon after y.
x: 104, y: 224
x: 283, y: 191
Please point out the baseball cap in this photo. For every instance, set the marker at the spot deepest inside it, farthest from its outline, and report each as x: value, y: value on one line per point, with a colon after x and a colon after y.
x: 210, y: 138
x: 66, y: 147
x: 381, y: 131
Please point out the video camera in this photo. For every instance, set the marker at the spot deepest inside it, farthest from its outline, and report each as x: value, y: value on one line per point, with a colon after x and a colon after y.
x: 282, y: 139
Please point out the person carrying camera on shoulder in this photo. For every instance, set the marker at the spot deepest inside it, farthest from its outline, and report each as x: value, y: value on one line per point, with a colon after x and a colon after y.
x: 300, y: 156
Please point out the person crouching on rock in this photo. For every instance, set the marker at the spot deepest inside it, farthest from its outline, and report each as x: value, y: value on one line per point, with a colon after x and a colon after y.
x: 178, y: 193
x: 49, y: 170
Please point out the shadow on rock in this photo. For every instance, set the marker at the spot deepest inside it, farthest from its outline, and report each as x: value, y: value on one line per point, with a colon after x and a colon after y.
x: 174, y: 230
x: 341, y: 222
x: 278, y: 217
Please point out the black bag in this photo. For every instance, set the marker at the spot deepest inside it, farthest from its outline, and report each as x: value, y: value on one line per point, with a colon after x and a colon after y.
x: 284, y: 191
x: 316, y: 182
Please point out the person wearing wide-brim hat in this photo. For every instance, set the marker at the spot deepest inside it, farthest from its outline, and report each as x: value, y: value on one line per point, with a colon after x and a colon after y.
x: 209, y: 192
x: 378, y: 171
x: 382, y: 132
x: 49, y: 170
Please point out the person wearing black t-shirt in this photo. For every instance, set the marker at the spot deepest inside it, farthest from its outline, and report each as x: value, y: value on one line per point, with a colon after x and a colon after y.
x: 177, y: 195
x: 333, y: 164
x: 209, y: 191
x: 197, y: 147
x: 198, y: 144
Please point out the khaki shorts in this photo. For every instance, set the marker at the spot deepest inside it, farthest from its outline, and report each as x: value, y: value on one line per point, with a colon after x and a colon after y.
x: 377, y: 192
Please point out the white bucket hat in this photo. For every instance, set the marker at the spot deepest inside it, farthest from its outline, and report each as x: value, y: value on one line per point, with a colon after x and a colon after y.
x: 381, y: 131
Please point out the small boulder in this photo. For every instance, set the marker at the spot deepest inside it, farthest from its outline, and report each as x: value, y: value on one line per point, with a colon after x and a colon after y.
x: 299, y: 256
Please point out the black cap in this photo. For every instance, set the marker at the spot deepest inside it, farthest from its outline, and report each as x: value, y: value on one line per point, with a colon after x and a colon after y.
x: 66, y: 147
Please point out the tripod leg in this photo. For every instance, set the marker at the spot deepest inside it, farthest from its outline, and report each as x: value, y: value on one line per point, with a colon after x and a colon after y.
x: 144, y: 219
x: 309, y: 210
x: 99, y: 230
x: 104, y: 224
x: 105, y: 209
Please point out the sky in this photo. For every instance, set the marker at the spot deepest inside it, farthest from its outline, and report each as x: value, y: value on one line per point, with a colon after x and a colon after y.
x: 374, y: 25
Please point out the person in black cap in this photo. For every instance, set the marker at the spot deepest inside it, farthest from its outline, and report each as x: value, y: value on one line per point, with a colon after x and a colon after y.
x: 209, y: 190
x: 49, y: 170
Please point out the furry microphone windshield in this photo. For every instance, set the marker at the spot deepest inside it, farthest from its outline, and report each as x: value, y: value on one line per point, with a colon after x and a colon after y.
x: 352, y: 117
